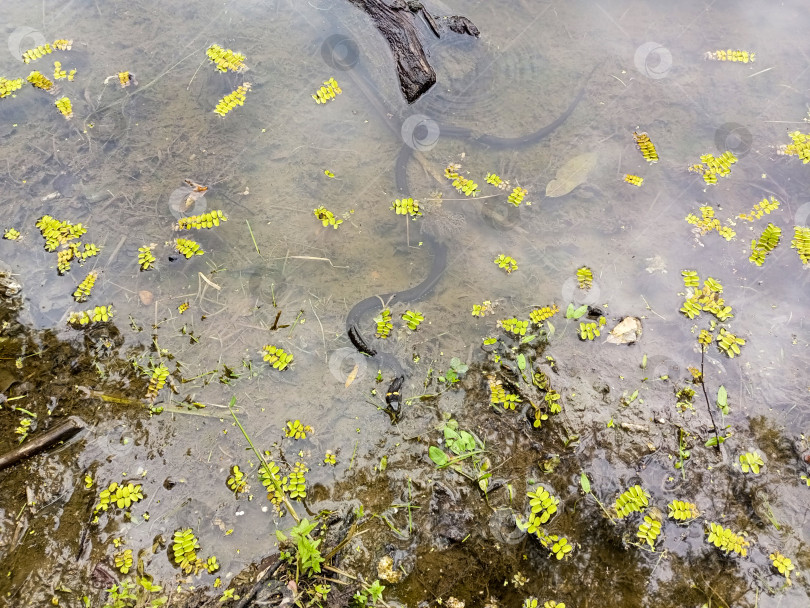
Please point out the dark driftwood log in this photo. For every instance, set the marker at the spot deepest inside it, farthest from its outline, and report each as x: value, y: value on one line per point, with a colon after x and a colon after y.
x: 61, y: 432
x: 396, y: 22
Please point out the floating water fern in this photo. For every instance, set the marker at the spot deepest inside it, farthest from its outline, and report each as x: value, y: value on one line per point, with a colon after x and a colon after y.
x: 683, y: 511
x: 649, y: 530
x: 801, y: 243
x: 800, y: 146
x: 272, y: 482
x: 706, y: 299
x: 479, y: 310
x: 157, y: 380
x: 64, y: 106
x: 707, y: 223
x: 727, y: 540
x: 295, y: 484
x: 498, y: 395
x: 99, y: 314
x: 713, y: 166
x: 11, y: 234
x: 226, y: 59
x: 514, y: 326
x: 751, y: 461
x: 327, y: 92
x: 590, y: 331
x: 58, y: 232
x: 184, y: 549
x: 206, y: 220
x: 763, y: 207
x: 236, y: 481
x: 327, y: 218
x: 690, y: 278
x: 496, y: 181
x: 517, y: 195
x: 8, y: 87
x: 782, y: 564
x: 384, y: 325
x: 634, y: 499
x: 509, y: 264
x: 83, y: 290
x: 646, y: 147
x: 36, y: 53
x: 146, y: 259
x: 123, y: 561
x: 584, y: 277
x: 406, y: 206
x: 40, y: 81
x: 464, y: 185
x: 277, y: 357
x: 633, y: 180
x: 233, y: 99
x: 730, y: 55
x: 329, y: 458
x: 121, y: 495
x: 538, y: 315
x: 183, y: 307
x: 766, y: 243
x: 187, y: 247
x: 296, y: 430
x: 413, y: 319
x: 729, y: 343
x: 543, y: 506
x: 60, y: 74
x: 558, y: 546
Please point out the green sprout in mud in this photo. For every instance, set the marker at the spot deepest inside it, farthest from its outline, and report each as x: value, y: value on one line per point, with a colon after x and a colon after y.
x: 480, y: 310
x: 295, y: 484
x: 726, y: 540
x: 308, y: 557
x: 412, y: 319
x: 23, y: 429
x: 575, y: 313
x: 464, y: 447
x: 634, y: 499
x: 123, y: 561
x: 326, y: 217
x: 683, y: 452
x: 187, y: 247
x: 801, y: 243
x: 514, y: 326
x: 205, y: 220
x: 584, y: 277
x: 384, y: 325
x: 369, y: 595
x: 683, y: 511
x: 184, y: 549
x: 146, y: 259
x: 118, y: 495
x: 766, y: 243
x: 457, y: 368
x: 506, y: 262
x: 591, y: 331
x: 783, y: 565
x: 236, y: 481
x: 517, y: 195
x: 157, y: 380
x: 538, y: 315
x: 649, y: 530
x: 707, y: 223
x: 751, y: 461
x: 296, y: 430
x: 276, y: 357
x: 406, y: 206
x: 729, y: 343
x: 763, y: 207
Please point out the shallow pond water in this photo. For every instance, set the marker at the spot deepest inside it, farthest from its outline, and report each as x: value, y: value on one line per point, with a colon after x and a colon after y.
x: 273, y: 274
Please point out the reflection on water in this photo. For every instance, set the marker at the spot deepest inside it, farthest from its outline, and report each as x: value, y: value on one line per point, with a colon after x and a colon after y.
x: 272, y: 274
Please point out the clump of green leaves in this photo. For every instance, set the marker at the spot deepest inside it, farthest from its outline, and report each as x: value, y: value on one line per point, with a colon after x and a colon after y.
x: 23, y: 429
x: 649, y: 530
x: 406, y: 206
x: 766, y: 243
x: 729, y: 343
x: 683, y: 511
x: 591, y: 331
x: 464, y: 185
x: 146, y: 259
x: 584, y: 277
x: 782, y: 564
x: 464, y: 458
x: 384, y: 325
x: 538, y: 315
x: 514, y: 326
x: 123, y: 561
x: 706, y: 299
x: 236, y: 481
x: 184, y: 549
x: 558, y: 546
x: 634, y: 499
x: 187, y: 247
x: 412, y: 319
x: 801, y: 243
x: 308, y: 558
x: 296, y: 430
x: 205, y: 220
x: 543, y: 506
x: 498, y: 395
x: 506, y: 262
x: 751, y: 461
x: 273, y: 483
x: 517, y: 195
x: 157, y: 380
x: 727, y: 540
x: 326, y: 217
x: 119, y: 495
x: 295, y: 484
x: 457, y: 368
x: 276, y: 357
x: 99, y: 314
x: 479, y: 310
x: 368, y: 594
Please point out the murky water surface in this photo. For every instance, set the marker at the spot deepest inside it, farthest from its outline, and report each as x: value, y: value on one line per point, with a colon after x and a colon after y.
x: 273, y: 275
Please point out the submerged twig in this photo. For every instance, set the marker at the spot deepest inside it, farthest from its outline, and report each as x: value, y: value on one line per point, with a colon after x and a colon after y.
x: 61, y: 432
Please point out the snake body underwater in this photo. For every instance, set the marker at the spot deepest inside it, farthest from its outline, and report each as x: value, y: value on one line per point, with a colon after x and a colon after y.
x: 393, y: 398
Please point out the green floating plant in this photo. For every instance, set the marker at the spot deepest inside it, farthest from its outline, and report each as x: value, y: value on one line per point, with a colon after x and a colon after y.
x: 206, y: 220
x: 649, y: 530
x: 157, y: 380
x: 480, y: 310
x: 99, y: 314
x: 273, y: 483
x: 690, y: 278
x: 187, y: 247
x: 464, y: 185
x: 236, y: 481
x: 558, y: 546
x: 36, y: 53
x: 751, y: 461
x: 327, y: 92
x: 56, y: 232
x: 707, y: 223
x: 413, y: 319
x: 496, y: 181
x: 85, y: 287
x: 514, y: 326
x: 538, y: 315
x: 714, y: 166
x: 498, y: 395
x: 384, y: 325
x: 517, y: 195
x: 296, y: 430
x: 763, y: 207
x: 729, y: 343
x: 584, y: 277
x: 727, y: 540
x: 184, y: 549
x: 533, y: 602
x: 118, y: 495
x: 326, y: 217
x: 276, y: 357
x: 509, y: 264
x: 800, y: 146
x: 683, y: 511
x: 591, y: 330
x: 766, y: 243
x: 295, y: 484
x: 41, y: 81
x: 783, y: 565
x: 543, y: 506
x: 8, y: 87
x: 634, y: 499
x: 65, y: 107
x: 226, y: 59
x: 11, y: 234
x: 329, y: 458
x: 801, y: 243
x: 406, y: 206
x: 146, y: 259
x: 707, y: 299
x: 232, y: 100
x: 123, y: 561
